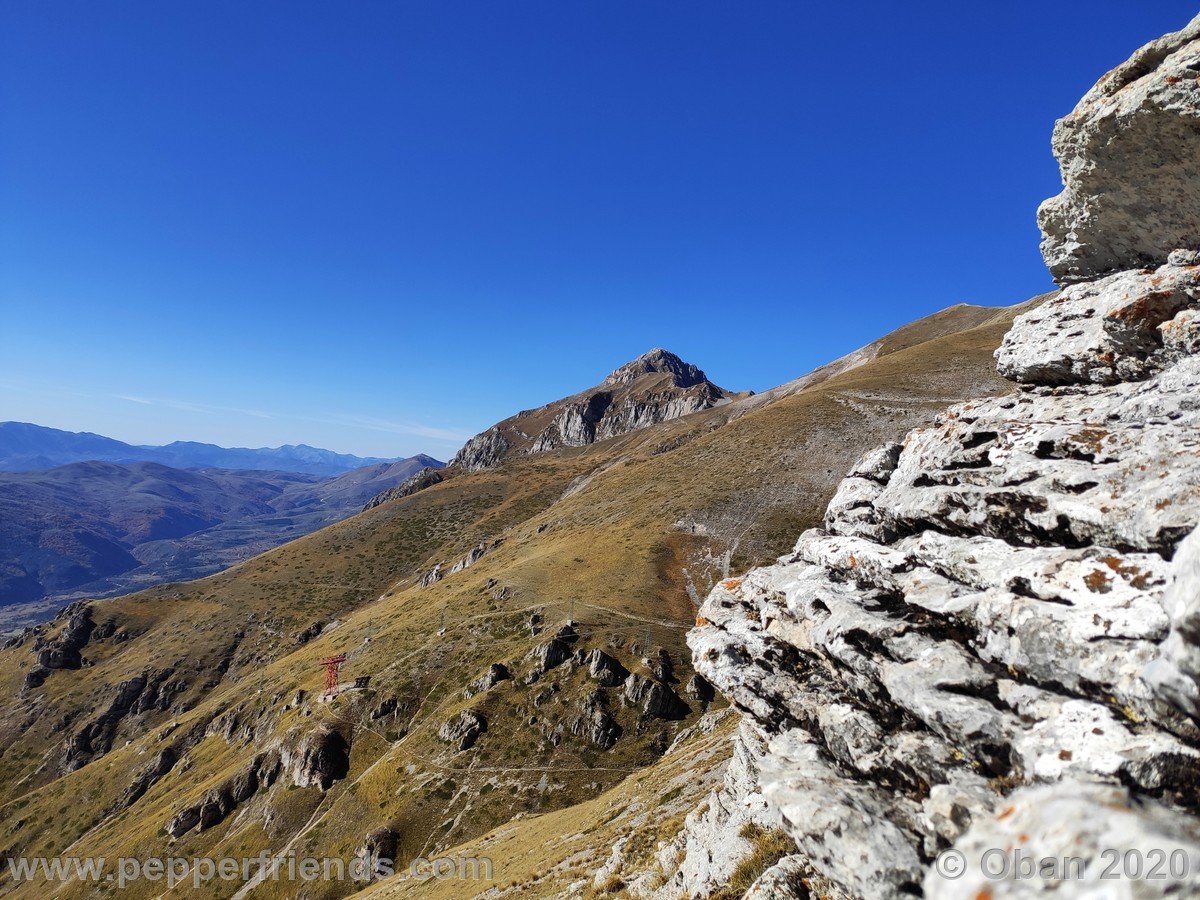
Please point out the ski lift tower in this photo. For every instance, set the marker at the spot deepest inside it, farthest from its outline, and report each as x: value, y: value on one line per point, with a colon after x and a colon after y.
x: 333, y: 668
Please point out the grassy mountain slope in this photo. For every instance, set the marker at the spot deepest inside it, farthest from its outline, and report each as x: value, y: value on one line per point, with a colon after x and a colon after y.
x: 618, y: 536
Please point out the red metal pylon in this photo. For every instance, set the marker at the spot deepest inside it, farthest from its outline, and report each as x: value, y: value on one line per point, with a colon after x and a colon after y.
x: 333, y: 668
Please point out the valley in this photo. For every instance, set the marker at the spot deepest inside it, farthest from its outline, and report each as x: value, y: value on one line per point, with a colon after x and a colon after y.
x: 96, y: 529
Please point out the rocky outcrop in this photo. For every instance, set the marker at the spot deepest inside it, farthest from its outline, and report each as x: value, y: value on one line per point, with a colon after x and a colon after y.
x: 594, y: 722
x: 475, y: 554
x: 994, y: 640
x: 63, y: 651
x: 312, y: 631
x: 699, y: 688
x: 183, y: 821
x: 496, y: 673
x: 433, y: 576
x: 604, y: 668
x: 656, y: 699
x: 654, y: 362
x: 482, y: 451
x: 378, y: 852
x: 464, y: 729
x: 1130, y: 160
x: 710, y: 845
x: 553, y: 653
x: 315, y: 758
x: 576, y: 425
x: 162, y: 763
x: 219, y: 802
x: 1074, y: 822
x: 1175, y: 673
x: 96, y: 737
x: 655, y: 387
x: 426, y: 478
x: 607, y: 413
x: 1118, y: 328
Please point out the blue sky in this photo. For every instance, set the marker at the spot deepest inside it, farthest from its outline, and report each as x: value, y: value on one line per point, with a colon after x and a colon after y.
x: 381, y: 226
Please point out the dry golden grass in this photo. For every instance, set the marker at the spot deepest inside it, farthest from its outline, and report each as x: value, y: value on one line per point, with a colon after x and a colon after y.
x: 587, y: 533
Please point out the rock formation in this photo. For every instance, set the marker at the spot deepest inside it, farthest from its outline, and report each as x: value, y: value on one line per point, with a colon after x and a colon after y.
x: 316, y: 757
x: 464, y: 729
x: 496, y: 673
x: 427, y: 477
x: 604, y: 668
x: 220, y: 801
x: 656, y: 699
x: 595, y: 723
x: 994, y: 641
x: 1129, y: 154
x: 63, y: 651
x: 655, y: 387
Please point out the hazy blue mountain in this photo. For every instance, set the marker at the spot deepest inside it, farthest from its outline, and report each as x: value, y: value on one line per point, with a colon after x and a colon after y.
x: 103, y: 528
x: 25, y: 447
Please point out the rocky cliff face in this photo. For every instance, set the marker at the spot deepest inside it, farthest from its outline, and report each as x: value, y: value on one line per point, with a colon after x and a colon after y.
x: 1128, y: 157
x: 655, y: 387
x: 994, y: 641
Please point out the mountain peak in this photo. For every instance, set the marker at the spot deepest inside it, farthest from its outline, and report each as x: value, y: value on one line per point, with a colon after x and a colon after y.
x: 683, y: 374
x: 632, y: 397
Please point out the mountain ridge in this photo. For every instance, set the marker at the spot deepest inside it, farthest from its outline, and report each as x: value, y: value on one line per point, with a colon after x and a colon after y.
x: 25, y: 446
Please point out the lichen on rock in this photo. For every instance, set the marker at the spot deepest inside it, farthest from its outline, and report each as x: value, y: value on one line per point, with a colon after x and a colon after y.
x: 1130, y: 159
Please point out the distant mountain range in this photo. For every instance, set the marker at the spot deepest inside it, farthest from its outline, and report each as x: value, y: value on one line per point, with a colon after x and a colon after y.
x: 99, y: 528
x: 25, y: 447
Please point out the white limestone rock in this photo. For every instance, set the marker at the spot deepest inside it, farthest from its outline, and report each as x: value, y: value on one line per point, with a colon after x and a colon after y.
x: 1099, y: 332
x: 1130, y: 160
x: 1064, y: 831
x: 1175, y: 674
x: 1006, y: 600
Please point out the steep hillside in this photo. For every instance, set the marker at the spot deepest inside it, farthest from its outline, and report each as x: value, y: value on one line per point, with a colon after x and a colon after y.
x: 97, y: 529
x: 25, y: 447
x: 521, y: 627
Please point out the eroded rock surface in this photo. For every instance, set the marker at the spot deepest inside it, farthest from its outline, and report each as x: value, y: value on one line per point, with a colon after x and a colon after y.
x: 994, y: 640
x: 1130, y: 160
x: 464, y: 729
x: 427, y: 477
x: 316, y: 757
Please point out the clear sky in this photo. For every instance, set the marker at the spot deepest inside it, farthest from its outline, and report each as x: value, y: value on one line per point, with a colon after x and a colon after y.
x: 378, y: 227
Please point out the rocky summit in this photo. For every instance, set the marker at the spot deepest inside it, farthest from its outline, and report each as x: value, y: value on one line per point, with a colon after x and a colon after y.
x: 656, y: 387
x: 994, y: 639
